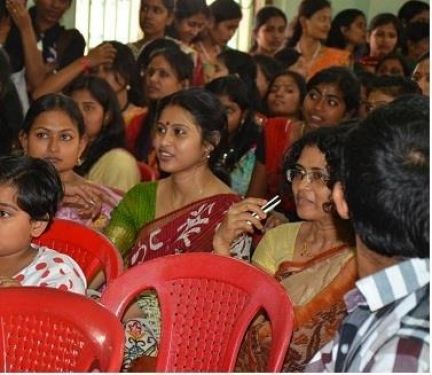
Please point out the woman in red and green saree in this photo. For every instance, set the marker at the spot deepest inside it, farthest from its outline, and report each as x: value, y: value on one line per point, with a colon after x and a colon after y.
x: 178, y: 213
x: 313, y: 259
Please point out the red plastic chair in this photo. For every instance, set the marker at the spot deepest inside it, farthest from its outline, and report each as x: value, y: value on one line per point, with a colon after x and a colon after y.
x: 49, y: 330
x: 90, y: 249
x: 147, y: 172
x: 207, y: 302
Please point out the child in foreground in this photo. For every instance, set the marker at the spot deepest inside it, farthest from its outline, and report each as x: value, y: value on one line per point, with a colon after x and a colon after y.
x: 30, y: 191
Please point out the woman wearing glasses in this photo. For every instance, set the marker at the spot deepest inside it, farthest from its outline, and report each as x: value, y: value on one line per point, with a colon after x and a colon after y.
x: 312, y: 259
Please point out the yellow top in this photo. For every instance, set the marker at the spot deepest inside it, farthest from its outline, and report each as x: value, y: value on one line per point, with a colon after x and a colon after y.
x: 117, y: 169
x: 276, y: 247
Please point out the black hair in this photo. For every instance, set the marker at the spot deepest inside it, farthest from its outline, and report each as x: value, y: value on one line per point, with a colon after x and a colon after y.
x: 168, y: 4
x: 410, y: 9
x: 209, y: 116
x: 417, y: 31
x: 298, y: 80
x: 262, y: 16
x: 395, y: 56
x: 329, y: 141
x: 344, y: 79
x: 307, y: 9
x: 125, y: 66
x: 112, y: 134
x: 248, y: 132
x: 54, y: 102
x: 336, y: 38
x: 385, y: 174
x: 37, y: 183
x: 287, y: 56
x: 11, y: 114
x: 268, y: 65
x: 157, y: 44
x: 182, y: 65
x: 185, y: 9
x: 225, y: 10
x: 395, y: 86
x: 243, y: 65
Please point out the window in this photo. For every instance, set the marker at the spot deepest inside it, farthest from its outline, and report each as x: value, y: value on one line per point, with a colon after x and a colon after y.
x: 100, y: 20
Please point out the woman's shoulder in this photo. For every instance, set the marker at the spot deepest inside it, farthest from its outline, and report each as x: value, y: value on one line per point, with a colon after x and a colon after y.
x: 118, y: 155
x: 337, y: 54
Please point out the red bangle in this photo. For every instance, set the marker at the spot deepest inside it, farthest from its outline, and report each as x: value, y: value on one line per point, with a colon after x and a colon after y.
x: 85, y: 63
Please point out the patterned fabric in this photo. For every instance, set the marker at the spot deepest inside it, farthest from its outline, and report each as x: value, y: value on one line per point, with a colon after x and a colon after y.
x: 316, y: 288
x: 190, y: 228
x: 100, y: 222
x: 52, y: 269
x: 387, y: 328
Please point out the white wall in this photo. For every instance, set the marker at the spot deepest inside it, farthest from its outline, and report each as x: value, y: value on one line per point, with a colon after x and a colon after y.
x: 369, y: 7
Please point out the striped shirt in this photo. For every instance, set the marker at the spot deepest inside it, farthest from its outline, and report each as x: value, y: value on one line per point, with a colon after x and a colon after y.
x: 387, y: 326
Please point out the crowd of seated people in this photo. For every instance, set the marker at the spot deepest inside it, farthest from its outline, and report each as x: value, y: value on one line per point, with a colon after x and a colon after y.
x: 330, y: 112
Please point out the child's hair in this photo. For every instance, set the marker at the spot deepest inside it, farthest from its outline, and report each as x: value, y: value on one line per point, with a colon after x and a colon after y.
x: 54, y: 102
x: 336, y: 38
x: 262, y: 16
x: 395, y: 86
x: 112, y: 134
x: 39, y: 189
x: 248, y: 131
x: 225, y: 10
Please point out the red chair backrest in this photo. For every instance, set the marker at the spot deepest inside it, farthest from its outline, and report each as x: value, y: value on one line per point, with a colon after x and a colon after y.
x: 147, y: 172
x: 90, y: 249
x: 207, y: 302
x: 49, y: 330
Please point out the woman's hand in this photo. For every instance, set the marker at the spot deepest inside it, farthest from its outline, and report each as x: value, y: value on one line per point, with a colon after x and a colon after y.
x: 84, y: 196
x: 104, y: 53
x: 238, y: 219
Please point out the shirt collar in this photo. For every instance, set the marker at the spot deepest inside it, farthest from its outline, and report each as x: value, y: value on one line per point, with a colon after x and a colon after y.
x: 393, y: 283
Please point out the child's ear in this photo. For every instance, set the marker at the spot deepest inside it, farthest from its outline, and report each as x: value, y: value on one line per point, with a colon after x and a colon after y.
x: 38, y: 227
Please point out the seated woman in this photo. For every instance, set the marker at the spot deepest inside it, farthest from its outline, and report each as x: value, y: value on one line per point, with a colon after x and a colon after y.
x: 179, y: 213
x: 238, y: 154
x: 105, y: 160
x: 30, y: 190
x: 54, y: 130
x: 313, y: 259
x: 155, y: 219
x: 333, y: 94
